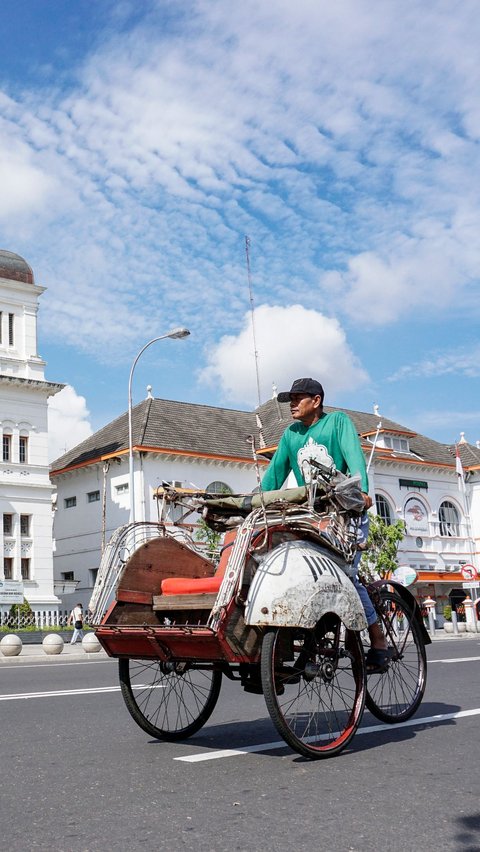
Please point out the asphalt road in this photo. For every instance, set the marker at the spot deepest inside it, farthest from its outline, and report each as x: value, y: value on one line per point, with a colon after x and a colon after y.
x: 77, y: 773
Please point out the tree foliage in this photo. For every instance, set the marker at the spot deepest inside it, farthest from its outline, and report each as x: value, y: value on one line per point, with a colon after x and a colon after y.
x: 17, y: 610
x: 380, y: 556
x: 210, y: 538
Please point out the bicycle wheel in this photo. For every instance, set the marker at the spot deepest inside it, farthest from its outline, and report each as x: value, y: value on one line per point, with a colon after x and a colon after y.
x: 170, y: 701
x: 396, y: 694
x: 315, y: 701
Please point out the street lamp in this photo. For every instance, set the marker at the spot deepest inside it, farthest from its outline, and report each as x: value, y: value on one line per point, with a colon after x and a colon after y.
x: 175, y: 333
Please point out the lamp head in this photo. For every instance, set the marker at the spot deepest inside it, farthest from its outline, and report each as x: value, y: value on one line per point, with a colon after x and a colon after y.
x: 177, y: 333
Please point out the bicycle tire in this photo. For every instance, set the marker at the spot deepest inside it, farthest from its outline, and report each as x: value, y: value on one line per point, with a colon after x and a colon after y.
x: 169, y: 701
x: 317, y: 703
x: 395, y: 695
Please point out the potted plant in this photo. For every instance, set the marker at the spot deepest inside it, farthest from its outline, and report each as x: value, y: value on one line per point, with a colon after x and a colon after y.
x: 461, y: 618
x: 447, y: 619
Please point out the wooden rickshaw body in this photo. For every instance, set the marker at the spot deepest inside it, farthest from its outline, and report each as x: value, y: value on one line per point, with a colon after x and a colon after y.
x: 278, y: 571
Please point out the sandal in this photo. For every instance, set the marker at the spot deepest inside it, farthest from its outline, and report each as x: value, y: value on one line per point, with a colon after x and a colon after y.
x: 377, y: 660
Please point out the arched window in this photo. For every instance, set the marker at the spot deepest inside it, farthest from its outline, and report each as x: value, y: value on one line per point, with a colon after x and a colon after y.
x: 7, y: 446
x: 218, y: 487
x: 449, y: 520
x: 383, y: 508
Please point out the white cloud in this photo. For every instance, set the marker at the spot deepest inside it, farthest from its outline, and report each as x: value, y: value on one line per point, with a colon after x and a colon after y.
x: 459, y: 362
x: 68, y: 422
x: 291, y: 342
x: 342, y: 139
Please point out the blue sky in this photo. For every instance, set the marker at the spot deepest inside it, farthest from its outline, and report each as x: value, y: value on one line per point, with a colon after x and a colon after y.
x: 141, y: 141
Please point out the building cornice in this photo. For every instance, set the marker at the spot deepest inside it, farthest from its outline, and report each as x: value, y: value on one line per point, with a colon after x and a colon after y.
x: 50, y: 388
x: 161, y: 451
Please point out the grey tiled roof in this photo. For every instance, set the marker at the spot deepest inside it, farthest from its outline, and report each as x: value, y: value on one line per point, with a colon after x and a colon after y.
x: 208, y: 430
x: 165, y: 424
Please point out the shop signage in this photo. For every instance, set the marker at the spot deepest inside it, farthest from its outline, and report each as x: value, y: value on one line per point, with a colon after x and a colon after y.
x: 11, y: 592
x: 405, y: 575
x: 416, y: 517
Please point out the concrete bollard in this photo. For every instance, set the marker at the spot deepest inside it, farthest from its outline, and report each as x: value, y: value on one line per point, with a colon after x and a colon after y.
x: 429, y: 603
x: 90, y: 643
x: 53, y: 644
x: 11, y: 645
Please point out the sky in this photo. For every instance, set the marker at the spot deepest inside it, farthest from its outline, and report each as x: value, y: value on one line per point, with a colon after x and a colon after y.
x: 141, y: 142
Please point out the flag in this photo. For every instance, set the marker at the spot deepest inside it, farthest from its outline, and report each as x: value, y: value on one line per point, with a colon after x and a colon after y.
x: 459, y: 470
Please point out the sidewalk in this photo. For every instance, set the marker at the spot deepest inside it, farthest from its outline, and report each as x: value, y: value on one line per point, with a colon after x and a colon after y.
x: 35, y: 654
x: 440, y: 634
x: 70, y: 654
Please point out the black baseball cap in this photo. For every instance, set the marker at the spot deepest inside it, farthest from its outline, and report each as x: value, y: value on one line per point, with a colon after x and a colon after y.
x: 307, y: 386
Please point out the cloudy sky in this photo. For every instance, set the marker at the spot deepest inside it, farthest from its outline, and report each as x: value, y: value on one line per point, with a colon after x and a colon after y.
x: 140, y: 142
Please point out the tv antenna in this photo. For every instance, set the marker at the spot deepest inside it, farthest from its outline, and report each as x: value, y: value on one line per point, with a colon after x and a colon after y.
x: 252, y: 312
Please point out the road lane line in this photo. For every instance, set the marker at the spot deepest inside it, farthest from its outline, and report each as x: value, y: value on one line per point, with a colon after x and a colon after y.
x: 371, y: 729
x: 455, y: 660
x: 18, y: 665
x: 59, y: 693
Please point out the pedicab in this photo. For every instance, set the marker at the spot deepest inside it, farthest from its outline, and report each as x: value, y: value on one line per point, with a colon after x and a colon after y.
x: 279, y: 615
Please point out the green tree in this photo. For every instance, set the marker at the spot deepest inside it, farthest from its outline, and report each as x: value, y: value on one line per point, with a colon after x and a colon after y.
x: 211, y: 539
x: 380, y: 556
x: 23, y: 609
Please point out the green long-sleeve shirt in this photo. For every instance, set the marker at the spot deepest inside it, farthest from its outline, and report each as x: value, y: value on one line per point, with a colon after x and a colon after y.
x: 335, y: 432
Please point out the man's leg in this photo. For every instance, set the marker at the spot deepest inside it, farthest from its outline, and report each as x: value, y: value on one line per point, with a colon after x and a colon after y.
x: 377, y: 639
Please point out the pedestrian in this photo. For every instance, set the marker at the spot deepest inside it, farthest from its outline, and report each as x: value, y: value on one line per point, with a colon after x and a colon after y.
x: 76, y: 618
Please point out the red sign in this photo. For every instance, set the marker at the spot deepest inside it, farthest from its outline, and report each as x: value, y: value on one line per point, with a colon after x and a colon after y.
x: 469, y: 572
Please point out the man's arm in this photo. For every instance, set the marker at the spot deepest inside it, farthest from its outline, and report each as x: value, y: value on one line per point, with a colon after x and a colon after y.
x: 353, y: 453
x: 278, y: 469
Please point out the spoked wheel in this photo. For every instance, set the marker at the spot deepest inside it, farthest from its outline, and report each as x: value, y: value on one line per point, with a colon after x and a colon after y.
x: 314, y: 686
x: 396, y: 694
x: 170, y: 701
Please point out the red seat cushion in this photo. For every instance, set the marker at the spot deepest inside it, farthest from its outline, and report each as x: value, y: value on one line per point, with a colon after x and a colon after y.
x: 201, y: 585
x: 190, y: 585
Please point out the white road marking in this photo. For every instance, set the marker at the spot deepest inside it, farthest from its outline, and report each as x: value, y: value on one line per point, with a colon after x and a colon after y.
x: 63, y: 692
x: 9, y: 667
x: 371, y: 729
x: 455, y: 660
x: 59, y: 693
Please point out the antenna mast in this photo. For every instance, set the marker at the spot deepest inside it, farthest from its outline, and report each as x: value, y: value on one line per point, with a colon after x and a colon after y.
x: 252, y: 311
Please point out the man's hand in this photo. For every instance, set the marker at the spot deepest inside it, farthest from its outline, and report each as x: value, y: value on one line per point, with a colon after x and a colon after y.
x: 367, y: 500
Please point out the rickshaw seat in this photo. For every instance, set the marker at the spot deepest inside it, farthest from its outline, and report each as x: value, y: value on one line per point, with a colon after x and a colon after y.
x: 201, y: 585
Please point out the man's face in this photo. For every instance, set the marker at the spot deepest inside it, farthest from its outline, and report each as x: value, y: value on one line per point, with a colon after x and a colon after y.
x: 305, y: 407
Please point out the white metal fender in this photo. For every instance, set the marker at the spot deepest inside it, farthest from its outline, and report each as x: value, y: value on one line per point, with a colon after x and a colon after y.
x: 298, y: 582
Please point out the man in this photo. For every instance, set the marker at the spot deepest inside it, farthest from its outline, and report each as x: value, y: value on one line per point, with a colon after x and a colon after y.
x: 327, y: 436
x: 76, y: 618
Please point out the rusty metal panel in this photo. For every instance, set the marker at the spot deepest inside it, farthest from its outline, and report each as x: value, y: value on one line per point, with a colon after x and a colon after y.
x: 298, y: 582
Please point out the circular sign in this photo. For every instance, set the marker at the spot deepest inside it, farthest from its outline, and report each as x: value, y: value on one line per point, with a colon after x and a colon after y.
x: 405, y: 575
x: 469, y: 572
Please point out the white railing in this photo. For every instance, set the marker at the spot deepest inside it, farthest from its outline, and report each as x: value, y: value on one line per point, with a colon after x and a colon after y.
x: 39, y: 620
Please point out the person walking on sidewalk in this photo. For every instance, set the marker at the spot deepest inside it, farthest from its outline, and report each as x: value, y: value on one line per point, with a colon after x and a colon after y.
x: 76, y: 618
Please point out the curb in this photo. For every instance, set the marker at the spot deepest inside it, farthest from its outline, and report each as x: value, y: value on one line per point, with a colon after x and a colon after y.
x: 35, y: 654
x: 61, y: 659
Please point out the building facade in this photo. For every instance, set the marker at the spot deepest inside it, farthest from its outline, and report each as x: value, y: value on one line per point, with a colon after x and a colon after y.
x: 412, y: 478
x: 25, y: 487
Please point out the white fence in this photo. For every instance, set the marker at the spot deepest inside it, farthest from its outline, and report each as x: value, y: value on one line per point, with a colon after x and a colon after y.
x: 41, y: 619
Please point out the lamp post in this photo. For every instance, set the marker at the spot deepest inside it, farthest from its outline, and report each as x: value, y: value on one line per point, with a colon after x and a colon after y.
x: 174, y: 333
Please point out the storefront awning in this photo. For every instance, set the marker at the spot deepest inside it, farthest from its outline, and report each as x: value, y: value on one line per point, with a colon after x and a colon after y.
x: 450, y: 577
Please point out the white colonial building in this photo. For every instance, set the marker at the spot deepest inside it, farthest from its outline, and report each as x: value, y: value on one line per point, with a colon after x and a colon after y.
x: 25, y: 487
x: 412, y: 478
